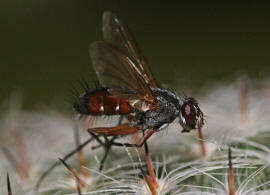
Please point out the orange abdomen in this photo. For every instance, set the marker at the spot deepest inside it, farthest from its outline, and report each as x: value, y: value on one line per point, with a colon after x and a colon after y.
x: 103, y: 103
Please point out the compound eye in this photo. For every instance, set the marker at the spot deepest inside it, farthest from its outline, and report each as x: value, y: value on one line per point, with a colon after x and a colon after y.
x: 189, y: 113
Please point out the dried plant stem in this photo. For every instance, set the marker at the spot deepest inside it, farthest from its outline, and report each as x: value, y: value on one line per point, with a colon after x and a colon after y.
x: 78, y: 187
x: 43, y: 176
x: 149, y: 183
x: 12, y: 160
x: 74, y: 173
x: 80, y: 153
x: 201, y: 141
x: 21, y: 162
x: 23, y: 156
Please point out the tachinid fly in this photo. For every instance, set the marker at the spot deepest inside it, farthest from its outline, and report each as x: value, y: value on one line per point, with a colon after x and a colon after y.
x: 130, y: 90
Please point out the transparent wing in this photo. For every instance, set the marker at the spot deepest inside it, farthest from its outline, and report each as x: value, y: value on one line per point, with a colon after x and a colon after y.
x: 119, y: 73
x: 117, y: 34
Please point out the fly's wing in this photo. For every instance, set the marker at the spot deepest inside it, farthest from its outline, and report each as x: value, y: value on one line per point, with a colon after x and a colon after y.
x: 117, y: 34
x: 120, y: 74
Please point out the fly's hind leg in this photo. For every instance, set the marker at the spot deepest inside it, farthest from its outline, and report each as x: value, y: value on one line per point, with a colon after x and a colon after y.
x: 153, y: 182
x: 110, y: 131
x: 107, y: 144
x: 124, y: 130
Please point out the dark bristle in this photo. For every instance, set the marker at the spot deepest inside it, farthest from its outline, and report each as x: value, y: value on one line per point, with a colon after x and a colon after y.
x: 142, y: 171
x: 86, y: 84
x: 74, y: 91
x: 44, y: 175
x: 230, y: 156
x: 72, y: 95
x: 78, y: 188
x: 83, y: 83
x: 64, y: 163
x: 96, y: 83
x: 8, y: 185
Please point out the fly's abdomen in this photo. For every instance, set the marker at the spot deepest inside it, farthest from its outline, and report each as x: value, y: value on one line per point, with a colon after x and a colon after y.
x: 100, y: 102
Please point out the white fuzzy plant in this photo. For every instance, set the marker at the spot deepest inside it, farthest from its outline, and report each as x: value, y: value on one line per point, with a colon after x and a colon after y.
x: 235, y: 117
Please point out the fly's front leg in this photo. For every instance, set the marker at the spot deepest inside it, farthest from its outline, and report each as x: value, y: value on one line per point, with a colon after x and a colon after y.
x: 151, y: 179
x: 107, y: 144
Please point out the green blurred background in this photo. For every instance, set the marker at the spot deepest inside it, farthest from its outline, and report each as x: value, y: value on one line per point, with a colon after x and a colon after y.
x: 44, y: 44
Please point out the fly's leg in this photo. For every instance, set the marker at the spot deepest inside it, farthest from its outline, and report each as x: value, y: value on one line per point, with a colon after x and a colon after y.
x: 124, y: 129
x: 140, y: 144
x: 151, y: 179
x: 107, y: 144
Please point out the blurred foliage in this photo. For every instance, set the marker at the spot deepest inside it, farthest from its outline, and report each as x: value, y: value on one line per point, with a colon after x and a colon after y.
x: 44, y: 44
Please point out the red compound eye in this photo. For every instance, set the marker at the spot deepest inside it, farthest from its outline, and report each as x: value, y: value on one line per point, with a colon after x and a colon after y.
x: 189, y: 113
x: 187, y: 109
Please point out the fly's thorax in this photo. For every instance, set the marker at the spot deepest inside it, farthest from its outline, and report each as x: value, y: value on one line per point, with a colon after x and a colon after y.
x: 167, y: 98
x: 167, y: 110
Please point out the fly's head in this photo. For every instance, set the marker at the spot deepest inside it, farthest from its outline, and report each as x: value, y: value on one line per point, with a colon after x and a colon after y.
x: 191, y: 116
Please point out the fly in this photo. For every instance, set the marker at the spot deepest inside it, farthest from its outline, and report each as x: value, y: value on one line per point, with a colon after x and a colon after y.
x: 130, y: 90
